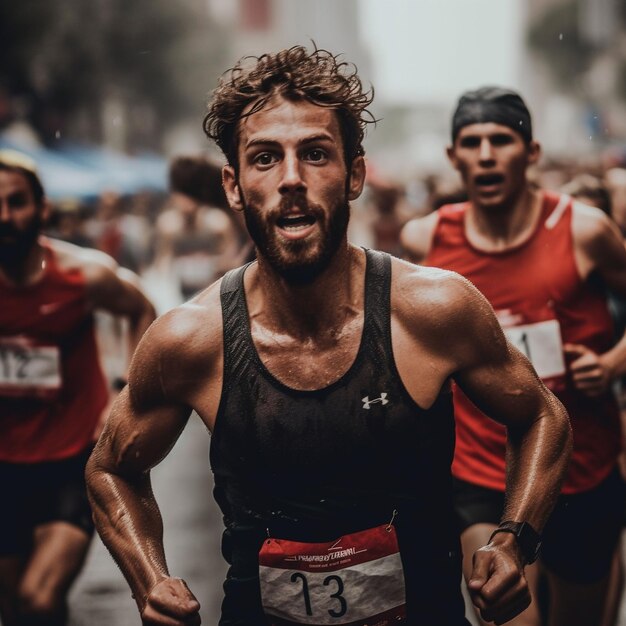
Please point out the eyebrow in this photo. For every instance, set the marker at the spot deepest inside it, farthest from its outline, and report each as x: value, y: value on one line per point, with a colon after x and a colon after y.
x: 321, y: 137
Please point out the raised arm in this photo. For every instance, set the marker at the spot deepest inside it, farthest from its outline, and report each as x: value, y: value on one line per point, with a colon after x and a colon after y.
x: 118, y: 291
x: 502, y: 383
x: 145, y: 422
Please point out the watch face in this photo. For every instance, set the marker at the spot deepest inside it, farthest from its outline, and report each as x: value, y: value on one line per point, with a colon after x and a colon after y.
x: 529, y: 541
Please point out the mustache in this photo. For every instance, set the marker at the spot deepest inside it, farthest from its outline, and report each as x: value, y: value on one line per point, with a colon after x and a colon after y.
x: 298, y: 200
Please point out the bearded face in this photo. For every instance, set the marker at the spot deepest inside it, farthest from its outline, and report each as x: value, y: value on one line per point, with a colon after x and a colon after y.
x: 15, y: 244
x: 300, y: 260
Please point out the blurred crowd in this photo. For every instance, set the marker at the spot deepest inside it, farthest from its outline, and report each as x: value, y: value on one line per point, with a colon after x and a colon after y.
x: 182, y: 241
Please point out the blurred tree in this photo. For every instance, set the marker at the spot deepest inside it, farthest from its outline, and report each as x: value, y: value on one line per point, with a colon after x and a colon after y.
x: 63, y: 63
x: 557, y: 38
x: 572, y: 35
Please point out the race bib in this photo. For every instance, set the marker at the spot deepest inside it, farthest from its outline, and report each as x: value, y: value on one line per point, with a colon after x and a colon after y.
x: 541, y: 343
x: 356, y: 580
x: 28, y: 370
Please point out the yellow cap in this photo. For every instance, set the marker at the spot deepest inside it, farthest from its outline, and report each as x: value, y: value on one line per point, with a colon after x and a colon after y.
x: 14, y: 158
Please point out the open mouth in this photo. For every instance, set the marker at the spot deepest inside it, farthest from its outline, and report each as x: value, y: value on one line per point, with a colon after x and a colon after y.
x: 295, y: 223
x: 488, y: 180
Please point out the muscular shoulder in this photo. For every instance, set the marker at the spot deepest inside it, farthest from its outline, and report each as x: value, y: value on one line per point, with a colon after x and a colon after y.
x: 443, y: 309
x: 590, y: 225
x: 70, y: 256
x: 595, y: 234
x: 97, y: 267
x: 416, y: 236
x: 179, y: 351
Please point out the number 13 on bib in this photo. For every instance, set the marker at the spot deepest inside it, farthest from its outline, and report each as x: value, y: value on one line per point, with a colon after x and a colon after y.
x: 356, y: 580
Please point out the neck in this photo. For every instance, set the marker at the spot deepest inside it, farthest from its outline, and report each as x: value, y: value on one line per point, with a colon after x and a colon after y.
x: 307, y: 310
x: 27, y: 270
x: 504, y: 226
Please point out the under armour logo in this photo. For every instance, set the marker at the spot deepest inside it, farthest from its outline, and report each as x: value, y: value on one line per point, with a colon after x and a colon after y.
x: 367, y: 402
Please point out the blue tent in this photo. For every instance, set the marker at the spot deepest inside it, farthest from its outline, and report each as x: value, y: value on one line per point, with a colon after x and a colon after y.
x: 84, y: 172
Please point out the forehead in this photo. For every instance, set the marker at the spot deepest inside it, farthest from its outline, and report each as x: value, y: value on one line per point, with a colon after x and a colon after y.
x: 486, y: 129
x: 289, y: 122
x: 12, y: 182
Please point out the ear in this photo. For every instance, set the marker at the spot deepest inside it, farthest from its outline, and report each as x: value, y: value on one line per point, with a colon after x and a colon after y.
x: 45, y: 210
x: 357, y: 178
x: 452, y: 156
x: 231, y: 188
x: 534, y: 152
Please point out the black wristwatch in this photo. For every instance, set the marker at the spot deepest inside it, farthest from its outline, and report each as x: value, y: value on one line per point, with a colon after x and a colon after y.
x: 528, y: 539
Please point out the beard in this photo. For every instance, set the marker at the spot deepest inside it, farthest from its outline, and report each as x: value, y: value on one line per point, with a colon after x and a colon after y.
x: 299, y: 262
x: 13, y: 252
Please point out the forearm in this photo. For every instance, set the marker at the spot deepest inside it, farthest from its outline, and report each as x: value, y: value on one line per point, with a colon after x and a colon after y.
x: 128, y: 520
x: 537, y: 460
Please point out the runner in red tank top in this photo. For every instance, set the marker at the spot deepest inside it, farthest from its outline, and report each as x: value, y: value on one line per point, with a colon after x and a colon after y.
x: 536, y: 257
x: 52, y: 395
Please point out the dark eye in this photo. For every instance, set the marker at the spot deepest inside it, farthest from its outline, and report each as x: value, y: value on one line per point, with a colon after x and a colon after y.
x: 316, y: 155
x: 469, y: 142
x: 265, y: 158
x: 18, y: 200
x: 501, y: 140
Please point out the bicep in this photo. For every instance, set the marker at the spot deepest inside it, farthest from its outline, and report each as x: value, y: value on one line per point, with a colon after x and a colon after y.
x: 136, y: 438
x: 601, y: 244
x: 503, y: 384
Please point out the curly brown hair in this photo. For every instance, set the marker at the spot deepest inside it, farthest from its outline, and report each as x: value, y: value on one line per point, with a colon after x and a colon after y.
x: 318, y: 77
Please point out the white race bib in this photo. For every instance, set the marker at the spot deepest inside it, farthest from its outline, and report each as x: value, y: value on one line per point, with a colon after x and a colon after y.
x: 542, y: 344
x: 28, y: 369
x: 356, y: 580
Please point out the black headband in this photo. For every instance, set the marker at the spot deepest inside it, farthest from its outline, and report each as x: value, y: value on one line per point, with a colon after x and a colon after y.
x: 492, y: 104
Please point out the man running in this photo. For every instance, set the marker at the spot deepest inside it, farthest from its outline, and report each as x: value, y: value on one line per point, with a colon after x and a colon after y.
x: 52, y: 396
x: 322, y: 371
x: 542, y: 261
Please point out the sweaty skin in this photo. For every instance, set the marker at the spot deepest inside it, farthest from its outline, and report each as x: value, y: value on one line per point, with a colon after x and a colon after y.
x: 503, y: 213
x: 308, y: 340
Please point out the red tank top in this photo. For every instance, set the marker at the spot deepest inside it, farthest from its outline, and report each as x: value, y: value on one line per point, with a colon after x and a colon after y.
x: 541, y: 302
x: 52, y: 390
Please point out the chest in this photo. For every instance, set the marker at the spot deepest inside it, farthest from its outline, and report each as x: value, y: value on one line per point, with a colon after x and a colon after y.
x: 46, y: 312
x: 309, y: 363
x: 541, y: 274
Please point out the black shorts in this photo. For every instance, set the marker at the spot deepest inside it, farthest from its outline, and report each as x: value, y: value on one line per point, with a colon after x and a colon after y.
x: 580, y: 537
x: 38, y: 493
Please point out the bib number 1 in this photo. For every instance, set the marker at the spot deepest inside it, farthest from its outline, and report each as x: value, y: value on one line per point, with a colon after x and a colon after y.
x: 541, y: 343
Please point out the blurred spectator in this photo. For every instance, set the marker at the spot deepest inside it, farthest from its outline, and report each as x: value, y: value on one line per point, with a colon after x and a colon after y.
x: 197, y: 237
x: 106, y: 228
x: 67, y: 222
x: 589, y: 190
x: 388, y: 212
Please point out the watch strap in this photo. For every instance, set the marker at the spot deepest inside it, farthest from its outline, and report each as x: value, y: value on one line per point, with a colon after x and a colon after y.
x: 528, y: 539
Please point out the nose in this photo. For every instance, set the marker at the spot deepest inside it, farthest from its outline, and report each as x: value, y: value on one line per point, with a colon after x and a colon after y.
x: 486, y: 150
x: 291, y: 181
x: 4, y: 212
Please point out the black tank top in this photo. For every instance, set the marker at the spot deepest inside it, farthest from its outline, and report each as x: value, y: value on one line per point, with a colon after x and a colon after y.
x: 314, y: 465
